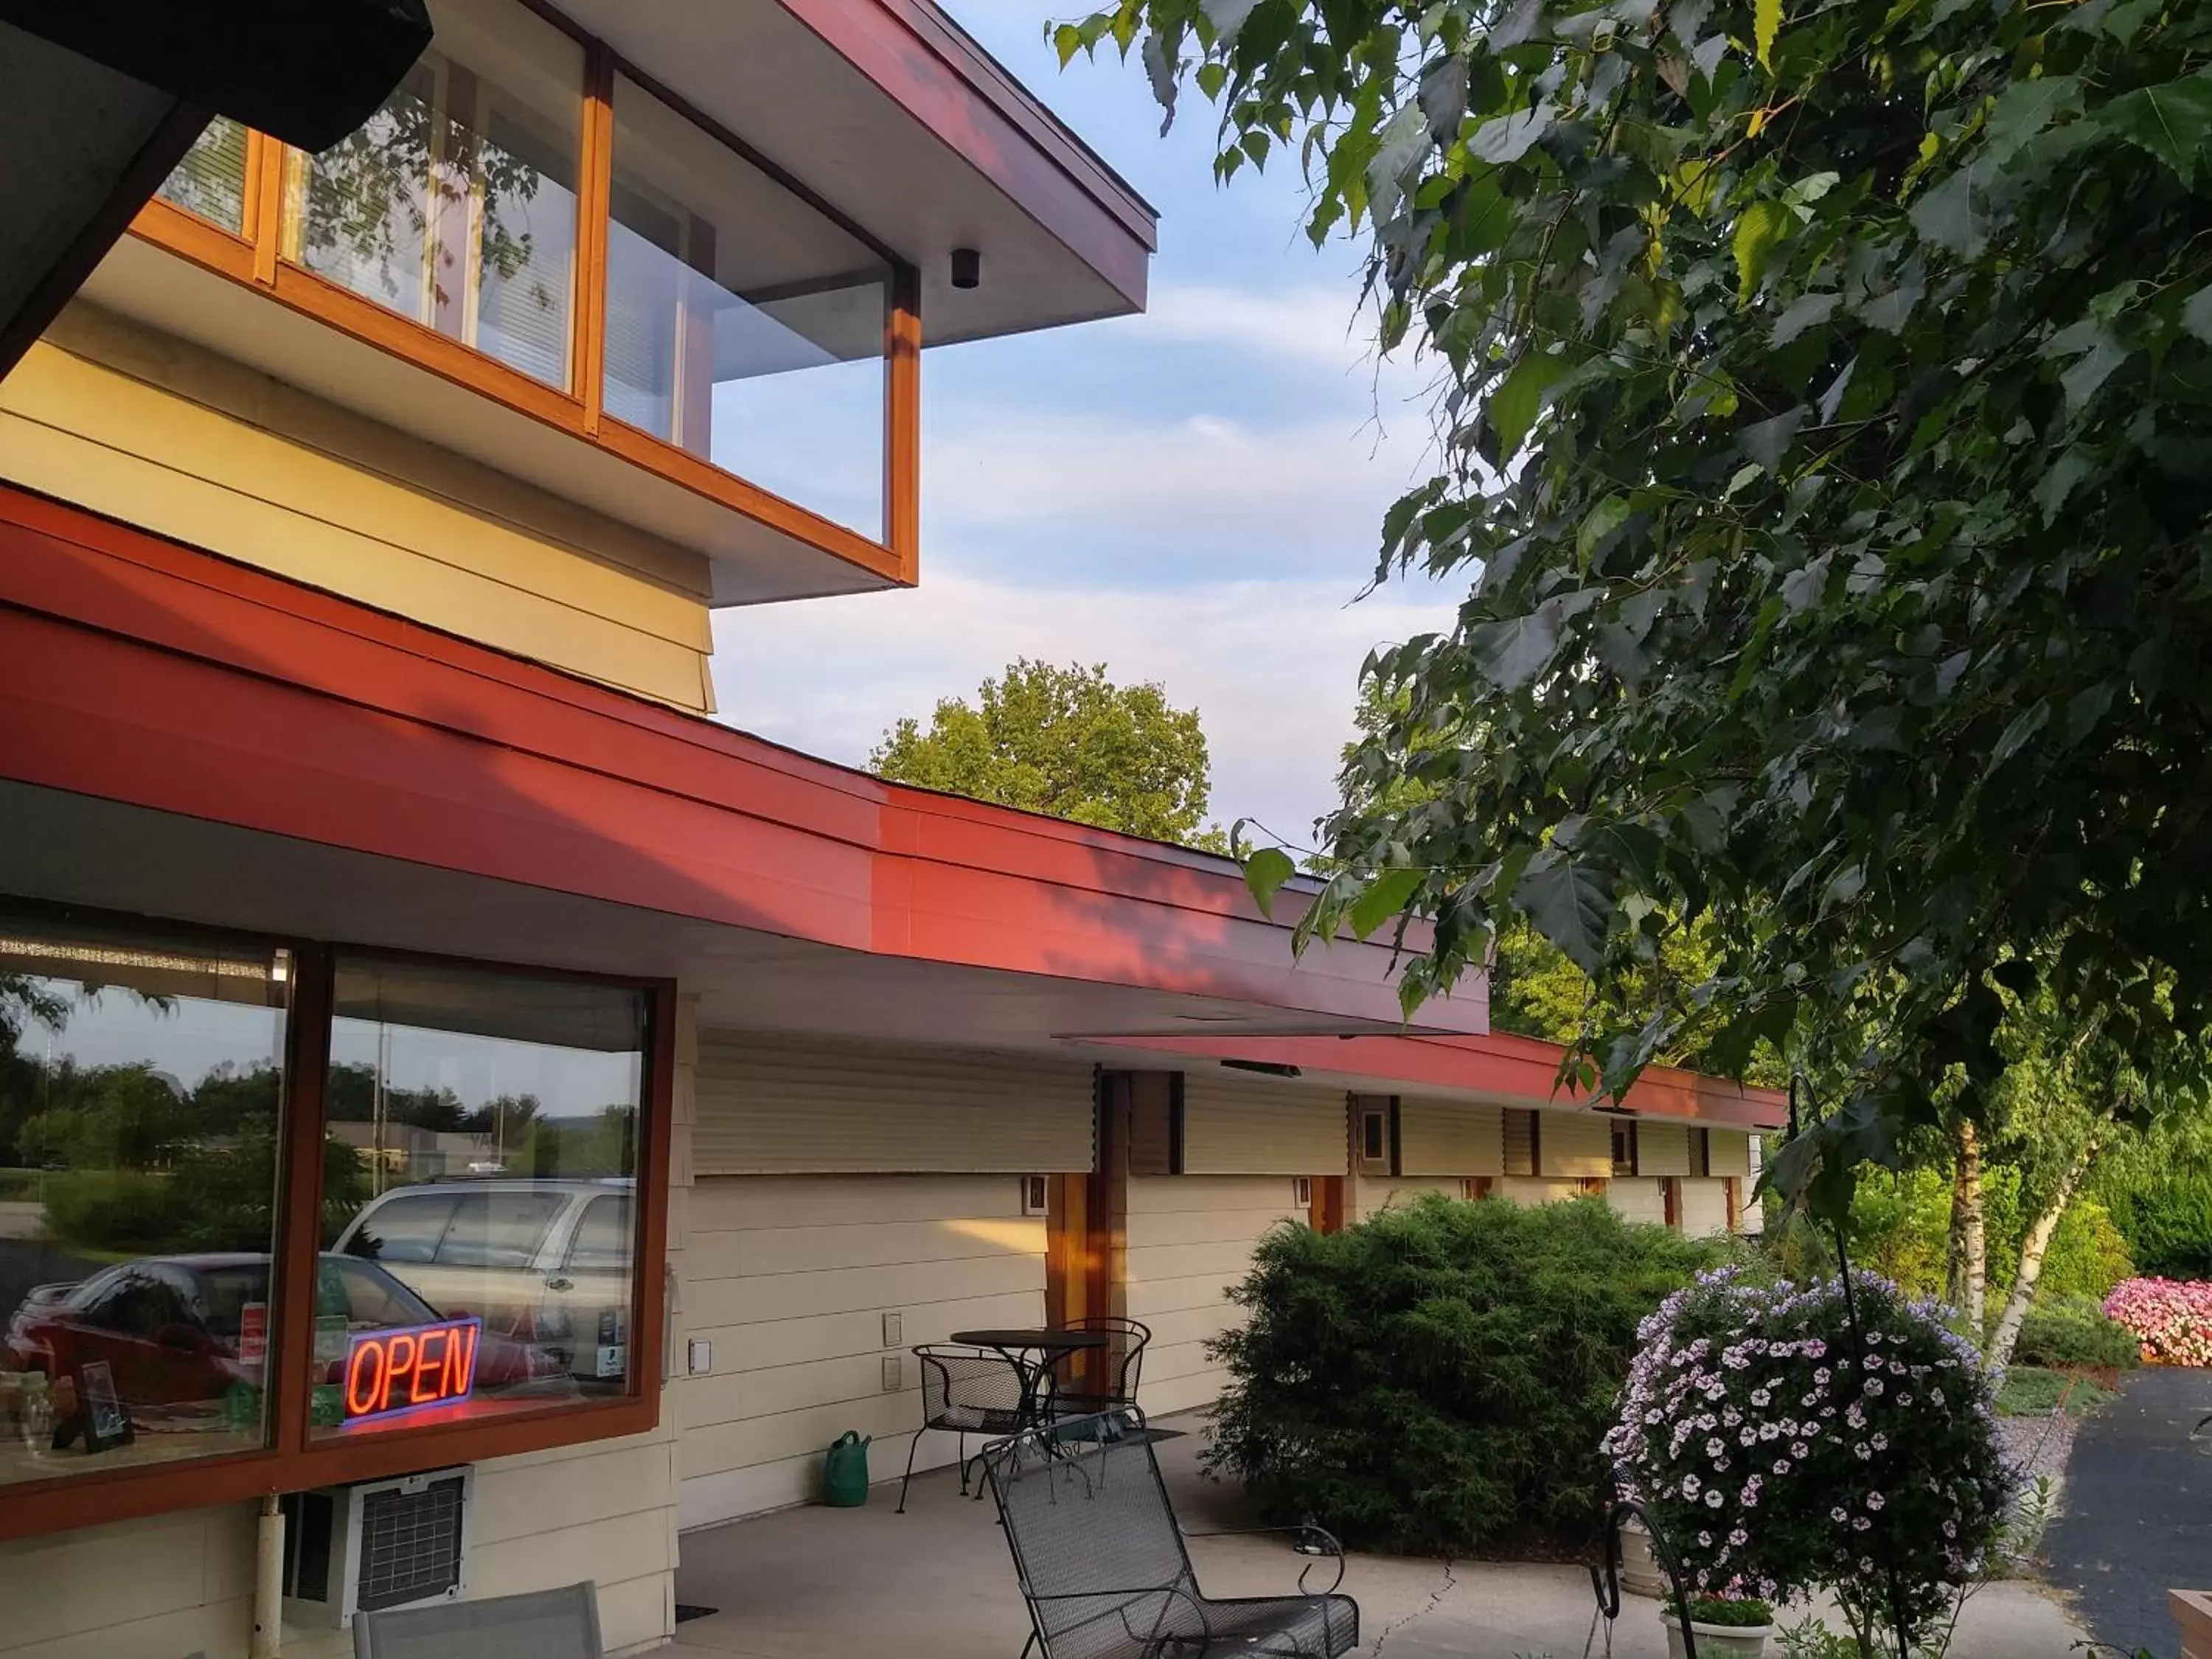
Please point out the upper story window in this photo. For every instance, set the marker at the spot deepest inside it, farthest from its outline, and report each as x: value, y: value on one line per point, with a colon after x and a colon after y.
x: 742, y: 325
x: 527, y: 217
x: 455, y: 204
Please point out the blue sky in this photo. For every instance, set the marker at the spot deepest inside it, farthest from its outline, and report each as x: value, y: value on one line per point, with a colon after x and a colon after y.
x: 1190, y: 496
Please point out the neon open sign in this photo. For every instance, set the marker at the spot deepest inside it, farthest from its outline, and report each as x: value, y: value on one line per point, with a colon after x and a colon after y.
x: 413, y: 1366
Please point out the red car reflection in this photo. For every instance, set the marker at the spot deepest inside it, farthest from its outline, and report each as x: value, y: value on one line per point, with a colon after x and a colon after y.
x: 170, y: 1329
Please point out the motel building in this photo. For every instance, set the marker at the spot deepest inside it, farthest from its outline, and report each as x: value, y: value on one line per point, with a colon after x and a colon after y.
x: 449, y: 1083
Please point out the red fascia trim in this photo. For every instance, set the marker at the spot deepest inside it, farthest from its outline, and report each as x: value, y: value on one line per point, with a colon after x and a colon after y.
x: 971, y: 104
x: 142, y: 670
x: 1523, y: 1068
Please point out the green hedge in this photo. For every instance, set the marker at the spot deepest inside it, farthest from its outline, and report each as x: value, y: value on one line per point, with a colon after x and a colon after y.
x: 2167, y: 1223
x: 1437, y: 1380
x: 2065, y: 1333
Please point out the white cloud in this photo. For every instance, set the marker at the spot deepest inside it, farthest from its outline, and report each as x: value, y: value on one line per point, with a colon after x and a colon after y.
x: 1319, y: 325
x: 1271, y: 666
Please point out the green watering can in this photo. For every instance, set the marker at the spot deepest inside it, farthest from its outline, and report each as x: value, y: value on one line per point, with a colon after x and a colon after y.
x: 844, y: 1472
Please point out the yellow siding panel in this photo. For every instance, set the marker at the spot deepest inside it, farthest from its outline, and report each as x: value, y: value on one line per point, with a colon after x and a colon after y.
x: 773, y: 1105
x: 1523, y: 1189
x: 1638, y: 1198
x: 1730, y: 1151
x: 1372, y: 1195
x: 1662, y: 1149
x: 1189, y: 1239
x: 1450, y: 1138
x: 1245, y: 1125
x: 1704, y: 1207
x: 1575, y: 1144
x: 366, y: 520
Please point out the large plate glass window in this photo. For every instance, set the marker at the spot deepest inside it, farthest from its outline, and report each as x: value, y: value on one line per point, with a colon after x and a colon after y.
x: 742, y: 324
x: 455, y: 203
x: 479, y: 1191
x: 210, y: 181
x: 141, y: 1100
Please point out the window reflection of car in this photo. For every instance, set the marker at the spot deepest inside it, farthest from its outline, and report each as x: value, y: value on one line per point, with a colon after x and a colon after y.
x: 170, y: 1329
x: 543, y: 1262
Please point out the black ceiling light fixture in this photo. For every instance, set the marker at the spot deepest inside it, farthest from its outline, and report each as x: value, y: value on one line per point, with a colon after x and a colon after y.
x: 967, y: 267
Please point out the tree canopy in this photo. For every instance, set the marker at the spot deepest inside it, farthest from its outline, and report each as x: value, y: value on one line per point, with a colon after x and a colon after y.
x: 1827, y: 427
x: 1067, y: 742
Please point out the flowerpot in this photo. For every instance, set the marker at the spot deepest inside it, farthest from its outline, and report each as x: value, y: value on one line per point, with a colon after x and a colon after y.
x: 1716, y: 1641
x: 1639, y: 1567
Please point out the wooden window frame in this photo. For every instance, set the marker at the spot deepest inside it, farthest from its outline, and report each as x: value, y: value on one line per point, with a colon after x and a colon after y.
x: 252, y: 257
x: 294, y: 1460
x: 1635, y: 1152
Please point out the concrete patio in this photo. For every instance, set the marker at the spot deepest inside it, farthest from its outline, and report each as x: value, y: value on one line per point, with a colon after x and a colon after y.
x: 937, y: 1583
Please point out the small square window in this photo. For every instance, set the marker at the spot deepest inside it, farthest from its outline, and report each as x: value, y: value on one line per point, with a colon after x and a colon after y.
x: 1036, y: 1195
x: 1624, y: 1148
x: 1302, y: 1192
x: 1373, y: 1137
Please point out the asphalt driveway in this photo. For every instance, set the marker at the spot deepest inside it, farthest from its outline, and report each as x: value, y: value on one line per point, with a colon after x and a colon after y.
x: 2138, y: 1510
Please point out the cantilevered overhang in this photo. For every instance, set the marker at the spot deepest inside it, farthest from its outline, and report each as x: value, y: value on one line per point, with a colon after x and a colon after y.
x: 891, y: 114
x: 193, y: 738
x: 1495, y: 1068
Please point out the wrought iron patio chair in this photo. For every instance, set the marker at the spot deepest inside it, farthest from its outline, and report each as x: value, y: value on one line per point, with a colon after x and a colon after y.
x: 1605, y: 1573
x: 968, y: 1391
x: 1104, y: 1568
x: 555, y: 1624
x: 1121, y: 1362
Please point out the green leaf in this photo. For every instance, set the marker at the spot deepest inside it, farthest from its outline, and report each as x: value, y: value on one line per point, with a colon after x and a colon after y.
x: 1765, y: 25
x: 1809, y: 310
x: 1384, y: 897
x: 2057, y: 483
x: 2170, y: 120
x: 2197, y: 314
x: 1948, y: 216
x: 1571, y: 904
x: 2023, y: 109
x: 1607, y: 516
x: 1066, y: 40
x: 1505, y: 138
x: 1265, y: 872
x: 1228, y: 17
x: 1759, y: 231
x: 1515, y: 405
x: 1511, y: 652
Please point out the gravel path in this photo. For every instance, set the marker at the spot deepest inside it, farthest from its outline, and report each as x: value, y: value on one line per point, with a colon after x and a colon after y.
x: 2037, y: 1445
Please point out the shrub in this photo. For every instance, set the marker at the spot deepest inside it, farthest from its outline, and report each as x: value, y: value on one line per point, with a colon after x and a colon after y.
x: 1783, y: 1446
x: 2031, y: 1391
x: 2171, y: 1319
x: 2167, y: 1223
x: 1735, y: 1611
x: 2069, y: 1332
x: 1436, y: 1380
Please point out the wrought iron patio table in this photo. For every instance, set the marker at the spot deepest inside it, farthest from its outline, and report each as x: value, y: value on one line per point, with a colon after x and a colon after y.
x: 1051, y: 1347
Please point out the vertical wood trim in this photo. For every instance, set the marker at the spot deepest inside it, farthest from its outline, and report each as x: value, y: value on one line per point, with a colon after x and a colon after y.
x: 1397, y: 1141
x: 1116, y: 1132
x: 266, y: 162
x: 1670, y: 1201
x: 595, y: 203
x: 648, y: 1285
x: 299, y: 1211
x: 903, y: 422
x: 1175, y: 1122
x: 1734, y: 1205
x: 1327, y: 1215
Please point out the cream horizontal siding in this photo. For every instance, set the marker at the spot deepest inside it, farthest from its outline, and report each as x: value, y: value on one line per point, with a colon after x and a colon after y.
x: 1240, y: 1124
x: 1704, y: 1207
x: 776, y: 1105
x: 187, y: 444
x: 183, y: 1583
x: 1188, y: 1238
x: 1575, y: 1144
x: 1370, y: 1195
x: 788, y: 1279
x: 1524, y: 1189
x: 1638, y: 1198
x: 1662, y: 1149
x: 1730, y: 1153
x: 1450, y: 1138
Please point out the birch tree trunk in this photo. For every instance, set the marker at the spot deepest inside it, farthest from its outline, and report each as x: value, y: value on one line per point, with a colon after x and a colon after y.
x: 2032, y: 1252
x: 1973, y: 1264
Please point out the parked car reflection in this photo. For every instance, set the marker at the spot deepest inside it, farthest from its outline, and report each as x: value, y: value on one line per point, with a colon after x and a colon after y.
x: 186, y: 1338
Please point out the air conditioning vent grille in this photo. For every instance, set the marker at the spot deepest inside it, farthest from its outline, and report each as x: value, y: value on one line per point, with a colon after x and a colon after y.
x: 410, y: 1544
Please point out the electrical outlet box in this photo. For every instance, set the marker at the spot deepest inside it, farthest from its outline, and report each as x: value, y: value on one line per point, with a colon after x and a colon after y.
x: 894, y: 1330
x: 699, y: 1356
x: 894, y: 1372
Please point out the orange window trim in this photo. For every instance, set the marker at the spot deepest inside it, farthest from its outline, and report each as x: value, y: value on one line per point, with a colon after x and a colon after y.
x: 253, y: 259
x: 296, y: 1460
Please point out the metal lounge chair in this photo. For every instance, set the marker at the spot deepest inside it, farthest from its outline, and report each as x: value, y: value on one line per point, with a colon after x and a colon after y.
x: 555, y: 1624
x: 1122, y: 1364
x: 968, y: 1391
x: 1104, y: 1569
